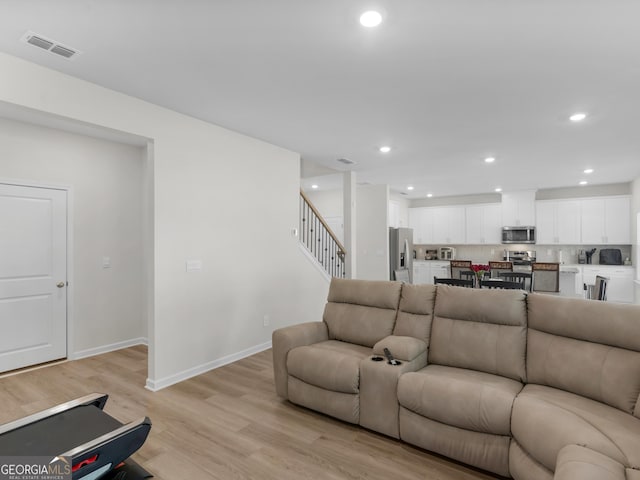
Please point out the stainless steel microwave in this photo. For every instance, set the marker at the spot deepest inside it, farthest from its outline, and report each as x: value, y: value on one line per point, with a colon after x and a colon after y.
x: 518, y: 234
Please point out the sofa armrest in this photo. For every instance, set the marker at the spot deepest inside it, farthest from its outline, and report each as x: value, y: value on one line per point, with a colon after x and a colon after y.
x: 287, y: 338
x: 577, y: 462
x: 402, y: 348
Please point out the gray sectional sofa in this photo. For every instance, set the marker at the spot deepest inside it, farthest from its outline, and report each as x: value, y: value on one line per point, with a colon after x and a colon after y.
x: 529, y: 386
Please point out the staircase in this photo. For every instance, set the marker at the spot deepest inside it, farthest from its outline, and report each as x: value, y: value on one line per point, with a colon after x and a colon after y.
x: 319, y: 240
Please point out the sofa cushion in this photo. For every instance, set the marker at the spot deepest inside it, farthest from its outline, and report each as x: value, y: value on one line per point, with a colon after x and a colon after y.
x: 579, y: 463
x: 524, y: 467
x: 361, y: 311
x: 466, y: 399
x: 483, y: 330
x: 545, y: 419
x: 603, y: 373
x: 585, y: 347
x: 482, y: 450
x: 415, y: 312
x: 331, y: 365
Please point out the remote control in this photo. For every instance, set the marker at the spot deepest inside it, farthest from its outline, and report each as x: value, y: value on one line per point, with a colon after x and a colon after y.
x: 392, y: 361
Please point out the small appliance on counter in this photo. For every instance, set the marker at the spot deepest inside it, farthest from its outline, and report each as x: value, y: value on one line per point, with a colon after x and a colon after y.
x: 582, y: 257
x: 610, y: 256
x: 589, y: 255
x: 521, y: 260
x: 446, y: 253
x: 431, y: 254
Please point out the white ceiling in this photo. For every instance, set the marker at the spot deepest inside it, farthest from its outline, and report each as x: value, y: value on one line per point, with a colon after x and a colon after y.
x: 444, y: 82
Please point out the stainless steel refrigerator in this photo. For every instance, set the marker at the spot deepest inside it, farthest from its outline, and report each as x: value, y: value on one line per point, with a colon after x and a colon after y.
x: 401, y: 252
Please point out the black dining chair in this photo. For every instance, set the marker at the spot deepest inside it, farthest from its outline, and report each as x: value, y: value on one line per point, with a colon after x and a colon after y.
x: 501, y: 284
x: 456, y: 282
x: 521, y: 277
x: 467, y: 274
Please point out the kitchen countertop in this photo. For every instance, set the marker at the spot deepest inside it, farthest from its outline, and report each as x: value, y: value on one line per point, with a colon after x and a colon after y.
x: 563, y: 266
x: 575, y: 265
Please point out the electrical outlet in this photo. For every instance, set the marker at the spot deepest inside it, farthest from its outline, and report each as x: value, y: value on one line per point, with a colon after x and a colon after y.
x: 265, y: 321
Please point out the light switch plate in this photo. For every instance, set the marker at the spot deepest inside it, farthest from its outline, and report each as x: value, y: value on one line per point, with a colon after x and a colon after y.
x: 193, y: 265
x: 106, y: 262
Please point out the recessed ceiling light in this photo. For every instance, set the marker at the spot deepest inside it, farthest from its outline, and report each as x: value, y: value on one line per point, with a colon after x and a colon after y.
x: 429, y: 195
x: 314, y: 186
x: 498, y: 189
x: 490, y: 159
x: 385, y: 149
x: 578, y: 117
x: 583, y: 182
x: 588, y: 170
x: 370, y: 19
x: 410, y: 187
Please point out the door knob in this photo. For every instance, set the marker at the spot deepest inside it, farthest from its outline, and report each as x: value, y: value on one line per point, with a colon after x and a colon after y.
x: 60, y: 284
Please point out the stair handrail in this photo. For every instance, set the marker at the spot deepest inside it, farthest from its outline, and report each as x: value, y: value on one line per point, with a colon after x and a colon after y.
x: 322, y: 253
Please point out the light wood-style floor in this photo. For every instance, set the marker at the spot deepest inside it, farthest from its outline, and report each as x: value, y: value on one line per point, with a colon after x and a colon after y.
x: 226, y: 424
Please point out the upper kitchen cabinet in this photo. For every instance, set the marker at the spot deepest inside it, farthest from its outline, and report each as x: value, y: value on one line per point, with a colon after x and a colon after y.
x: 483, y: 224
x: 449, y: 225
x: 398, y: 214
x: 438, y: 225
x: 519, y: 208
x: 606, y: 220
x: 394, y: 214
x: 421, y: 220
x: 558, y: 221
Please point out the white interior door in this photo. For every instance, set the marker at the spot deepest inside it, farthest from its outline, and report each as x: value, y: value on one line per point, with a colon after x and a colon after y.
x: 33, y: 274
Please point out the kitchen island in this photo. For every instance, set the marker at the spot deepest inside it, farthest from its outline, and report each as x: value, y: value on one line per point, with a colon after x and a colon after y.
x: 573, y: 276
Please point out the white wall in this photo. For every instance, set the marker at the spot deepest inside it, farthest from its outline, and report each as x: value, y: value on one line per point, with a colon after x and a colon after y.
x: 330, y: 204
x: 635, y: 231
x: 372, y: 240
x: 106, y: 180
x: 252, y: 266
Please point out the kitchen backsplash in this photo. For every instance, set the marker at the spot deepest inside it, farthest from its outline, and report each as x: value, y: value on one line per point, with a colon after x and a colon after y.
x: 544, y: 253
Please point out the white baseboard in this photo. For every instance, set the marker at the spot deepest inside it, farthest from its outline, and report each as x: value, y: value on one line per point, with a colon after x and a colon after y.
x: 90, y: 352
x: 155, y: 385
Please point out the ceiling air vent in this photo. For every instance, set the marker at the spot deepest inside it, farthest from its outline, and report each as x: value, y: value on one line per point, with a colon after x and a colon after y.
x: 49, y: 45
x: 39, y: 42
x: 65, y: 52
x: 346, y: 161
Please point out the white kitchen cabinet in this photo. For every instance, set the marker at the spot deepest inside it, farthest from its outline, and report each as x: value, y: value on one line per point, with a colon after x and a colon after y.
x: 617, y: 220
x: 440, y: 270
x: 571, y: 281
x: 519, y: 208
x: 558, y: 222
x: 483, y: 224
x: 449, y: 225
x: 394, y: 214
x: 437, y: 225
x: 421, y: 221
x: 606, y: 220
x: 423, y: 272
x: 620, y: 287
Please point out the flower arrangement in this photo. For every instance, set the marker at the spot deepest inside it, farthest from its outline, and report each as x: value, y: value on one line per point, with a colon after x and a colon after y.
x: 479, y: 271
